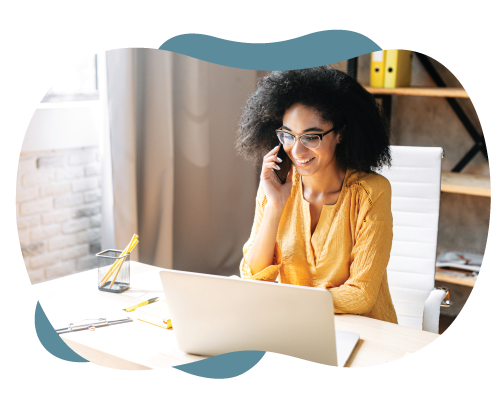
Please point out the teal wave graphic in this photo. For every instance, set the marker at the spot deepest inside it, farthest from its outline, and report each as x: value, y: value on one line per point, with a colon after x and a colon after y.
x: 260, y: 49
x: 255, y: 364
x: 33, y: 340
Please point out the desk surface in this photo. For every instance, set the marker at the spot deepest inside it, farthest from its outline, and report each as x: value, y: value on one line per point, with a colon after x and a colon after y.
x: 76, y: 297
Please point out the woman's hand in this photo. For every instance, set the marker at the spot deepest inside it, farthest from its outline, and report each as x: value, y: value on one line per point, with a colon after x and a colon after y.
x: 276, y: 193
x: 262, y: 252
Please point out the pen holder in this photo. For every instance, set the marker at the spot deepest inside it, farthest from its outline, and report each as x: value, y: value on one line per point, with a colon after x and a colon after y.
x: 119, y: 279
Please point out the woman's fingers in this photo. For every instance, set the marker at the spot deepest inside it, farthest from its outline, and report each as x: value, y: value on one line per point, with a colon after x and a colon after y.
x: 272, y: 158
x: 267, y: 173
x: 272, y: 152
x: 270, y: 161
x: 270, y: 165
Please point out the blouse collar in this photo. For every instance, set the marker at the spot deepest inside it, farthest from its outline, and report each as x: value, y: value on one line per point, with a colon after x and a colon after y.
x: 349, y: 178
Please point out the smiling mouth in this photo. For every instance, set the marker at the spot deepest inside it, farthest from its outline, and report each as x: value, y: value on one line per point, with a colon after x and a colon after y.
x: 304, y: 162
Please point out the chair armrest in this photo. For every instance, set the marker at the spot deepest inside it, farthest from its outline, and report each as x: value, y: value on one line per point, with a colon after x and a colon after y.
x: 432, y: 308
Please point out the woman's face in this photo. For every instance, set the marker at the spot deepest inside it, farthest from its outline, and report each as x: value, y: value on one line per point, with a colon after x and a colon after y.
x: 299, y: 119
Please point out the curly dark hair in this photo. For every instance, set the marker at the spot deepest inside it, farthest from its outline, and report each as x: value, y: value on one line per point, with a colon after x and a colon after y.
x: 337, y: 98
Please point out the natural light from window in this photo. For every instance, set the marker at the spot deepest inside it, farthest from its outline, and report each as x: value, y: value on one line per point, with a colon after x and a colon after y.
x: 78, y: 84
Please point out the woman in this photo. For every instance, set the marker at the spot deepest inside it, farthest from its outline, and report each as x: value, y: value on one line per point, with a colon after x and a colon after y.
x: 330, y: 224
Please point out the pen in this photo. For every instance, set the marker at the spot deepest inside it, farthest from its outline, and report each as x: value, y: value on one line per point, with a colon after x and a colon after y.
x: 140, y: 304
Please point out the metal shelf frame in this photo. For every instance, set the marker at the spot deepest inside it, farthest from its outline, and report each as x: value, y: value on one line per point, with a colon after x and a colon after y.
x: 479, y: 142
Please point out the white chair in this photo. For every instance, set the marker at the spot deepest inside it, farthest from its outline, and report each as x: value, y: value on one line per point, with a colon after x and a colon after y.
x: 415, y: 178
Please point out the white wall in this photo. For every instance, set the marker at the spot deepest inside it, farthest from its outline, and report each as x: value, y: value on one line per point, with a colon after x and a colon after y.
x: 12, y: 128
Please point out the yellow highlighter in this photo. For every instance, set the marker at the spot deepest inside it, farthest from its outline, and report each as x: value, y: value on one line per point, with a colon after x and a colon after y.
x: 141, y: 304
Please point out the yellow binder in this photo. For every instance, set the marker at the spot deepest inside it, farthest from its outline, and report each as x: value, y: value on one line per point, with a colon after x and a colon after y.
x: 397, y: 68
x: 377, y: 67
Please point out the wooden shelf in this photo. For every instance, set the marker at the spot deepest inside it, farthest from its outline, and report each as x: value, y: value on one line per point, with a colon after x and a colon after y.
x: 458, y: 280
x: 421, y: 91
x: 476, y: 185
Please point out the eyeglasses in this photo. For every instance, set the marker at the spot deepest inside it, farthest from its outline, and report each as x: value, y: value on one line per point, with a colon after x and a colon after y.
x: 309, y: 140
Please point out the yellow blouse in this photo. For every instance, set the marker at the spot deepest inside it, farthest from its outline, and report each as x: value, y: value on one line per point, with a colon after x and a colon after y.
x: 348, y: 251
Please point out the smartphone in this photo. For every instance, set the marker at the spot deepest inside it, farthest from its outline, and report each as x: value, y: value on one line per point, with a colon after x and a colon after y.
x: 285, y: 165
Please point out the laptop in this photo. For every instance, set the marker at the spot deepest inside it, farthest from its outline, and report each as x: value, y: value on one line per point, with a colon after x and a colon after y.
x: 213, y: 315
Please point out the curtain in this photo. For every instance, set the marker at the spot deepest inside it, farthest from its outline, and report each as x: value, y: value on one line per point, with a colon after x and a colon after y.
x: 154, y: 165
x: 214, y: 189
x: 175, y: 177
x: 119, y: 147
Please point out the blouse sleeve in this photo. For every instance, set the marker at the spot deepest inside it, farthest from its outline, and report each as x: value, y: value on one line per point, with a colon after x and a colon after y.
x: 271, y: 272
x: 369, y: 257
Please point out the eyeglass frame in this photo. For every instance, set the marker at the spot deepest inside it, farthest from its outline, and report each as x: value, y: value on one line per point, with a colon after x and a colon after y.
x: 320, y: 135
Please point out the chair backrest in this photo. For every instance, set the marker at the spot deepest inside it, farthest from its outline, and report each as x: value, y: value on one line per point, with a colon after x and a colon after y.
x: 415, y: 177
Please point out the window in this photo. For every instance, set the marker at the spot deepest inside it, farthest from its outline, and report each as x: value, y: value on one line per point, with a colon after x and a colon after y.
x: 62, y: 147
x: 78, y: 84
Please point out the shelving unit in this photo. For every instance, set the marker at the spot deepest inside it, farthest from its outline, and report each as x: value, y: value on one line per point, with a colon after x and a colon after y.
x: 441, y: 90
x: 476, y: 185
x: 454, y: 182
x: 420, y: 91
x: 451, y: 182
x: 458, y: 280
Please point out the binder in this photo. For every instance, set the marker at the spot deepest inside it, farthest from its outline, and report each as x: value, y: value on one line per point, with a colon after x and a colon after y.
x: 377, y: 67
x: 397, y: 68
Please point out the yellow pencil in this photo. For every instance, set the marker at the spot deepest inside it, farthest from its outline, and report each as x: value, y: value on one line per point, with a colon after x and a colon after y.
x: 122, y: 254
x: 118, y: 268
x: 108, y: 274
x: 119, y: 261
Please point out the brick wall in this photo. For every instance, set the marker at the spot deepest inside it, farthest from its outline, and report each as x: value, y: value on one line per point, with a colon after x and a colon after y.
x: 59, y: 211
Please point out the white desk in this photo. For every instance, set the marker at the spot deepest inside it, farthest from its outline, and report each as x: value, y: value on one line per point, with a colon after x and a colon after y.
x: 139, y: 345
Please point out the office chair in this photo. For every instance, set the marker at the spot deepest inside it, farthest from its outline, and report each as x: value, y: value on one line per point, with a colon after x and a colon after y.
x: 415, y: 178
